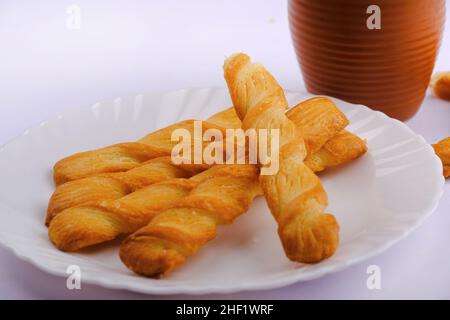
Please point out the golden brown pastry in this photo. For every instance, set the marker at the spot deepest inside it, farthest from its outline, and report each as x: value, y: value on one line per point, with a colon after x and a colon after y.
x: 342, y: 148
x: 317, y: 120
x: 320, y: 122
x: 294, y: 194
x: 82, y: 226
x: 442, y: 149
x: 125, y: 156
x: 226, y: 119
x: 117, y: 184
x: 441, y: 85
x: 90, y: 222
x: 122, y: 156
x: 119, y: 179
x: 86, y: 195
x: 177, y: 233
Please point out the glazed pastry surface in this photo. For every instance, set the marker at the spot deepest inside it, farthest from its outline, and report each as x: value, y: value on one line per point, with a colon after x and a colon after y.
x: 294, y: 194
x: 117, y: 184
x: 83, y: 226
x: 157, y: 248
x: 179, y: 232
x: 123, y: 156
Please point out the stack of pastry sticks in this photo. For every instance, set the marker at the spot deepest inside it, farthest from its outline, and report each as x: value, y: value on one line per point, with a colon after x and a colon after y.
x: 170, y: 211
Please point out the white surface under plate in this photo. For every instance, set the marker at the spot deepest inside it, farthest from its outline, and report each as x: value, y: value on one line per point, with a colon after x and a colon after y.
x: 377, y: 199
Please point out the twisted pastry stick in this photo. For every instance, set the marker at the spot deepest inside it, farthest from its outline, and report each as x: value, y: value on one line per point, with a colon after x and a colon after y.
x: 102, y: 174
x: 80, y: 179
x: 115, y: 185
x: 339, y: 149
x: 320, y: 122
x: 122, y: 156
x: 73, y: 224
x: 342, y: 148
x: 294, y: 194
x: 442, y: 149
x: 177, y: 233
x: 125, y: 156
x: 158, y: 248
x: 82, y: 226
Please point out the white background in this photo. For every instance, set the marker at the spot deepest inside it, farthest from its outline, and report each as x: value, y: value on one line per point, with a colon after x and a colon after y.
x: 128, y: 47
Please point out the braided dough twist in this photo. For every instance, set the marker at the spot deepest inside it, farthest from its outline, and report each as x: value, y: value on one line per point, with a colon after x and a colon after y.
x: 326, y: 149
x: 83, y: 226
x: 295, y: 195
x: 177, y: 233
x: 115, y: 185
x: 123, y: 156
x: 97, y: 221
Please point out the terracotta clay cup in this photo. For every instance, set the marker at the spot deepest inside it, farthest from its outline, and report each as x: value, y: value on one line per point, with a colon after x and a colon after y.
x: 342, y: 53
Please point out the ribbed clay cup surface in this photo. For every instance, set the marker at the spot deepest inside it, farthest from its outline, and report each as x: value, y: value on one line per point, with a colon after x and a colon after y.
x: 387, y: 69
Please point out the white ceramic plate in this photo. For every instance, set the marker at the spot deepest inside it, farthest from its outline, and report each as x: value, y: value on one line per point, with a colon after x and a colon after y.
x: 377, y: 199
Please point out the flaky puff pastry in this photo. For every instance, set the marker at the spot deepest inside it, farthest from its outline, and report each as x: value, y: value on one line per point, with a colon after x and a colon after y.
x: 320, y: 123
x: 92, y: 220
x: 98, y: 221
x: 116, y: 185
x: 442, y: 149
x: 79, y: 227
x: 310, y: 117
x: 93, y: 210
x: 178, y: 233
x: 342, y: 148
x: 123, y: 156
x: 294, y: 194
x: 115, y: 171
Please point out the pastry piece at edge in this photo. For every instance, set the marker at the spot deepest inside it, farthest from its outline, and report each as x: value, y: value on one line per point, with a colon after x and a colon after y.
x: 442, y: 149
x: 294, y: 194
x: 440, y: 83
